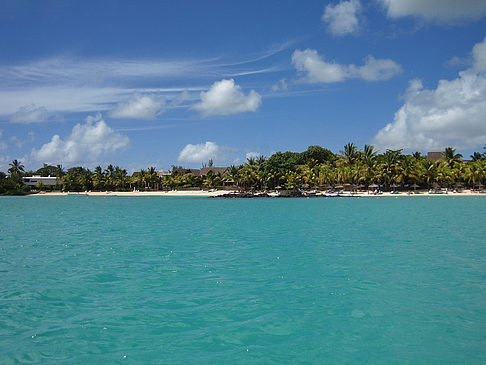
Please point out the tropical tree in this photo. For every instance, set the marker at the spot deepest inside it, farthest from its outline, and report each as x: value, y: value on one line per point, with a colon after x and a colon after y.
x: 350, y: 154
x: 451, y: 157
x: 369, y: 155
x: 151, y: 178
x: 477, y: 156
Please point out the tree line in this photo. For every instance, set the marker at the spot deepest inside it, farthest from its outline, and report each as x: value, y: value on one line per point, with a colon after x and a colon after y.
x: 315, y: 167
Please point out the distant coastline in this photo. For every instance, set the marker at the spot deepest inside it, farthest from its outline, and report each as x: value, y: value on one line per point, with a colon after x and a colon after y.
x: 314, y: 172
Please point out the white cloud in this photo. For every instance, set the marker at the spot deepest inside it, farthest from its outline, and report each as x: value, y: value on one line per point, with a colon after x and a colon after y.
x: 376, y: 69
x: 442, y: 11
x: 253, y: 155
x: 70, y: 85
x: 139, y: 106
x: 342, y: 18
x: 225, y: 98
x: 479, y: 56
x: 201, y: 153
x: 450, y: 115
x: 33, y: 114
x: 316, y: 70
x: 64, y: 70
x: 87, y: 142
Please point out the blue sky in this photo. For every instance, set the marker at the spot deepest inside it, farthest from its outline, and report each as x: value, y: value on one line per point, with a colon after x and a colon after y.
x: 161, y: 83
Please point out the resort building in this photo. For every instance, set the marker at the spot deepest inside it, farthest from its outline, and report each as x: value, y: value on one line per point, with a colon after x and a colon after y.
x: 215, y: 170
x: 161, y: 173
x: 435, y: 156
x: 44, y: 180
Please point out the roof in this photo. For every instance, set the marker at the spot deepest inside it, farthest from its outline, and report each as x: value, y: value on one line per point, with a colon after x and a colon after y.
x: 214, y: 170
x: 435, y: 156
x: 195, y: 172
x: 163, y: 173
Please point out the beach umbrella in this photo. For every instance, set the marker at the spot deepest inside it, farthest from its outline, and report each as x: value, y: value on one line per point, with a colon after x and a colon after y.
x: 373, y: 186
x: 306, y: 186
x: 414, y: 186
x: 278, y: 187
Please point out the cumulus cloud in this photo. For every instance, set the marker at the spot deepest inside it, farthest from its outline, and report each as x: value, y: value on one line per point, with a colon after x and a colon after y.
x: 139, y: 106
x: 200, y: 153
x: 442, y: 11
x: 317, y: 70
x: 33, y: 114
x: 452, y: 114
x: 479, y: 56
x: 87, y: 142
x: 226, y: 98
x: 342, y: 18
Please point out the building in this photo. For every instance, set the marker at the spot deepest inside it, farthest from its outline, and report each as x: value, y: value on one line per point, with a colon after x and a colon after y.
x: 161, y: 173
x: 215, y: 170
x: 435, y: 156
x: 44, y: 180
x: 202, y: 172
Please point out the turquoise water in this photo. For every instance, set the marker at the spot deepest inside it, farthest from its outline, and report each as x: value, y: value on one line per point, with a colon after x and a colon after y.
x: 92, y: 280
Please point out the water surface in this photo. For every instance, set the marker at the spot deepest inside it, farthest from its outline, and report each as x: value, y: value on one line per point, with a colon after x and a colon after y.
x: 262, y: 281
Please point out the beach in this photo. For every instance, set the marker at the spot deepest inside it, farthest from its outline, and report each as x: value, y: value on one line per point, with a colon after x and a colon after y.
x: 219, y: 193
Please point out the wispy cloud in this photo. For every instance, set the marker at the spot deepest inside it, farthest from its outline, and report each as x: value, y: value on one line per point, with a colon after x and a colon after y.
x: 64, y: 70
x: 276, y: 49
x: 70, y: 85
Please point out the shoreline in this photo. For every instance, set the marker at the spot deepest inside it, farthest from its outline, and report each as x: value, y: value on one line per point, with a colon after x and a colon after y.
x: 219, y: 193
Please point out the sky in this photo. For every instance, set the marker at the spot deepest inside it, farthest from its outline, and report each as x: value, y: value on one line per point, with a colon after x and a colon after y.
x: 162, y: 83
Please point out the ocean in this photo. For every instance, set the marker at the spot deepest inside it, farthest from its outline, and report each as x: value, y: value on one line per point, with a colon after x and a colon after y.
x: 158, y: 280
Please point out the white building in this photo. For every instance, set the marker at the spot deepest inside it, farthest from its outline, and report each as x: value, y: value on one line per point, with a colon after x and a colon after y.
x: 45, y: 180
x: 161, y: 173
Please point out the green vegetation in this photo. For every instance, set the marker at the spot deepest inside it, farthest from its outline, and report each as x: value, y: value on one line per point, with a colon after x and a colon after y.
x: 317, y: 166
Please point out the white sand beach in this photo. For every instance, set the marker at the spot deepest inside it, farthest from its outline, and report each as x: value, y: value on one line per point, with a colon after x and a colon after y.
x: 216, y: 193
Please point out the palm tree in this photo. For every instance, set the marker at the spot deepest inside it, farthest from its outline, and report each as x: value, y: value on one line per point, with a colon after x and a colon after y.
x: 350, y: 154
x: 389, y: 169
x: 369, y: 154
x: 59, y: 171
x: 98, y: 178
x: 260, y: 161
x: 476, y: 156
x: 109, y: 177
x: 151, y: 178
x: 120, y: 178
x: 451, y: 157
x: 16, y: 169
x: 475, y: 173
